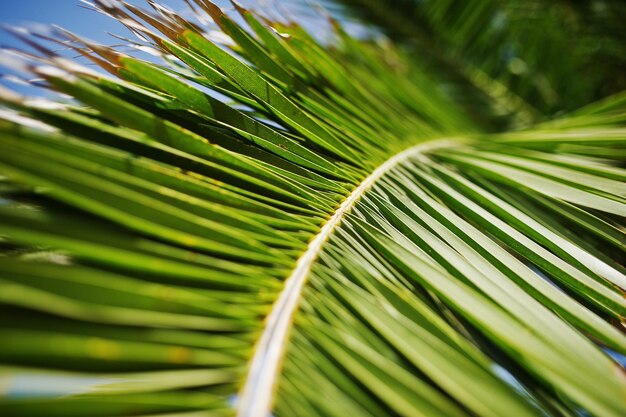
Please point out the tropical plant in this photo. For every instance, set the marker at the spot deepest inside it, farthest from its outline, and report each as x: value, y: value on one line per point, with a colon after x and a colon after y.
x: 264, y: 223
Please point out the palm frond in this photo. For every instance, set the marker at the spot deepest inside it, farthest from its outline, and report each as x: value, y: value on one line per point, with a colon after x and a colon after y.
x: 276, y: 225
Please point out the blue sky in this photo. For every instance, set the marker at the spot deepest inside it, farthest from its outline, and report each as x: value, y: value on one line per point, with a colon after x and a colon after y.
x: 66, y: 13
x: 39, y: 14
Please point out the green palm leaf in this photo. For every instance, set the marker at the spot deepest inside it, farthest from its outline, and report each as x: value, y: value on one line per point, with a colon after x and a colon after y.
x: 282, y: 226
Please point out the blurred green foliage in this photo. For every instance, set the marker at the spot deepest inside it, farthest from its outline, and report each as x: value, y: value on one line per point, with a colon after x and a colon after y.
x: 555, y: 55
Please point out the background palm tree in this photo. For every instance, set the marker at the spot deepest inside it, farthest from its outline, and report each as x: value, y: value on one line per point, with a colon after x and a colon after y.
x: 266, y: 223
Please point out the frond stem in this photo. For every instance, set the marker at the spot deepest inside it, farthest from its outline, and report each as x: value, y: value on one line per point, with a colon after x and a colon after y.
x: 257, y: 395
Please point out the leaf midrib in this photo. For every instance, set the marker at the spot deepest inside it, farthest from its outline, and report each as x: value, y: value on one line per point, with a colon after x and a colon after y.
x: 257, y: 394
